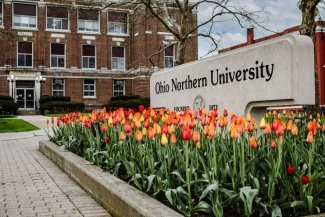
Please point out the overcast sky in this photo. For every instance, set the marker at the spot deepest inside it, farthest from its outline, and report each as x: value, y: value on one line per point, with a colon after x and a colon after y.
x: 275, y: 15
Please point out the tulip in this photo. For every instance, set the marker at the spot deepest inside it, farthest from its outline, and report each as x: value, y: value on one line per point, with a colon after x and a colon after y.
x: 223, y: 121
x: 151, y: 132
x: 164, y: 129
x: 86, y: 123
x: 186, y: 133
x: 289, y: 125
x: 198, y: 145
x: 121, y: 136
x: 163, y: 139
x: 262, y: 124
x: 279, y: 129
x: 52, y: 120
x: 138, y: 136
x: 294, y: 130
x: 103, y: 128
x: 252, y: 142
x: 144, y: 131
x: 141, y: 108
x: 233, y: 131
x: 195, y: 136
x: 173, y: 139
x: 305, y: 179
x: 310, y: 137
x: 106, y: 140
x: 233, y: 118
x: 225, y: 113
x: 127, y: 127
x: 290, y: 170
x: 267, y: 130
x: 312, y: 127
x: 273, y: 144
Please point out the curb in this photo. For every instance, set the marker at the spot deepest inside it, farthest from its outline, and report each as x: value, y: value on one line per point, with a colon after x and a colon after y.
x: 119, y: 198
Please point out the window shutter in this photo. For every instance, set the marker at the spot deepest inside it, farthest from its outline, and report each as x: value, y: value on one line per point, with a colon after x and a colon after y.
x: 25, y: 47
x: 120, y: 17
x: 59, y: 12
x: 57, y: 49
x: 88, y: 14
x: 88, y: 50
x: 117, y: 51
x: 25, y: 9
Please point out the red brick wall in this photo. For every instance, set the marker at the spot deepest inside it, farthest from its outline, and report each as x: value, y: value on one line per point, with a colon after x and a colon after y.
x: 4, y: 86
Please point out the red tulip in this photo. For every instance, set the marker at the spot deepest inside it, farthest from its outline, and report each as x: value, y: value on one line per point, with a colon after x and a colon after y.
x: 106, y: 140
x: 86, y: 123
x: 279, y: 128
x: 186, y: 133
x: 273, y: 144
x: 141, y: 108
x: 252, y: 142
x: 225, y: 112
x: 290, y: 170
x: 305, y: 180
x: 103, y: 128
x: 127, y: 127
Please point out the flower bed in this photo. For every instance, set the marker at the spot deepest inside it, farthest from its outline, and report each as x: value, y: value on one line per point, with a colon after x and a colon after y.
x: 200, y: 163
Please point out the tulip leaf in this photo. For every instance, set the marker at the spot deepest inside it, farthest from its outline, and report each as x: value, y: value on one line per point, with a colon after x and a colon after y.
x: 247, y: 194
x: 176, y: 173
x: 210, y: 188
x: 298, y: 203
x: 276, y: 211
x: 150, y: 180
x: 202, y: 207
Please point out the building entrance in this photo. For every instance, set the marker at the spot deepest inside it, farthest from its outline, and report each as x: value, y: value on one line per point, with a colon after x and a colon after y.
x: 25, y: 94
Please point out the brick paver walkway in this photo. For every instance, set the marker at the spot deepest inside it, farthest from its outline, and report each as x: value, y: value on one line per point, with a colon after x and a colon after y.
x: 31, y: 185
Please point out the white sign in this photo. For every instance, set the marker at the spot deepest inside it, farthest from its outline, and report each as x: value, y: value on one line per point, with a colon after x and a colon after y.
x: 272, y: 73
x: 25, y: 33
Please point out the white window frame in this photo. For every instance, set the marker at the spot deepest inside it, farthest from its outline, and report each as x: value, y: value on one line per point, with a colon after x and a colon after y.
x: 169, y: 57
x: 58, y: 30
x: 1, y: 17
x: 13, y: 15
x: 83, y: 93
x: 82, y: 57
x: 117, y: 58
x: 55, y: 55
x: 25, y: 54
x: 118, y: 91
x: 85, y: 31
x: 127, y: 24
x: 58, y: 90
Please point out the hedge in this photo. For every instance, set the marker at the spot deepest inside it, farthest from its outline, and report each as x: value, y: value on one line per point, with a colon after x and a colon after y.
x: 46, y: 99
x: 8, y: 98
x: 128, y: 104
x: 124, y: 98
x: 59, y: 107
x: 8, y: 107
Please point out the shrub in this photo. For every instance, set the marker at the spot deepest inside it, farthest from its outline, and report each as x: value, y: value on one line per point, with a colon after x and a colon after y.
x: 8, y: 107
x: 59, y: 107
x: 8, y: 98
x: 45, y: 99
x: 129, y: 104
x: 124, y: 98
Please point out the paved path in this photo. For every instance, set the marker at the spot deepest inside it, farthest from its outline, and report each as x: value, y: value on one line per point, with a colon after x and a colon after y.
x: 31, y: 185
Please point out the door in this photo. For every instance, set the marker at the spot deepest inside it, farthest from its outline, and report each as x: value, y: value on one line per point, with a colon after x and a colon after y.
x: 25, y: 98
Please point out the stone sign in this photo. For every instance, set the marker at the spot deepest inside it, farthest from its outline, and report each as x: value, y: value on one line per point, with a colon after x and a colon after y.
x: 272, y: 73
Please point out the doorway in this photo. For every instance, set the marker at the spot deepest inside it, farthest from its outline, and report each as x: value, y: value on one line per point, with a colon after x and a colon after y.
x: 25, y: 98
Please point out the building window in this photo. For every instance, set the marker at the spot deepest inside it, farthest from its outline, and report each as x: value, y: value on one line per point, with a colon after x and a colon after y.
x: 88, y: 56
x: 89, y: 88
x: 25, y: 54
x: 118, y: 59
x: 88, y: 21
x: 58, y: 87
x: 1, y: 14
x: 57, y: 18
x: 57, y: 55
x: 118, y: 87
x: 117, y: 22
x: 169, y: 57
x: 24, y: 15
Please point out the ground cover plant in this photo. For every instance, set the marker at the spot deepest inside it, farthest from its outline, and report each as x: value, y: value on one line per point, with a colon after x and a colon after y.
x: 205, y: 162
x: 8, y: 125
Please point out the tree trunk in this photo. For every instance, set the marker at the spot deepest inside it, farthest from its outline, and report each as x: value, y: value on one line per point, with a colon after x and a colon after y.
x: 308, y: 28
x: 180, y: 52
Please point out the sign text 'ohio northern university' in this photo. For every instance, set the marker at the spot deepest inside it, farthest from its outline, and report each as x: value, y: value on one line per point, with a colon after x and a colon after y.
x: 273, y: 73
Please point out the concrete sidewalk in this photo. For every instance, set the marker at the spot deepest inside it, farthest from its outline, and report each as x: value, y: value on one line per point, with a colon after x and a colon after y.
x: 31, y: 185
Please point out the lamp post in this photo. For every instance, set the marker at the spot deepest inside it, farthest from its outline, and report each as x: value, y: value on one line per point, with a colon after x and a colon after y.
x: 39, y: 79
x: 12, y: 79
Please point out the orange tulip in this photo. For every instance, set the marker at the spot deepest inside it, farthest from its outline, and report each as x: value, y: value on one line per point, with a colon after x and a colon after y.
x: 195, y: 136
x: 289, y: 125
x: 127, y: 127
x: 273, y: 144
x: 223, y: 121
x: 163, y: 139
x: 267, y: 130
x: 138, y: 136
x: 151, y: 132
x: 310, y: 137
x: 103, y: 128
x: 294, y: 130
x: 312, y: 127
x: 121, y: 136
x: 279, y: 129
x: 234, y: 131
x: 212, y: 130
x: 252, y: 142
x: 248, y: 117
x: 173, y: 139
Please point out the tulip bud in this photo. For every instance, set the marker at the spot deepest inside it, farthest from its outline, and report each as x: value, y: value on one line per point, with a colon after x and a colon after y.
x: 121, y: 136
x: 173, y: 139
x: 186, y: 133
x: 273, y: 144
x: 294, y: 130
x: 290, y: 170
x: 103, y: 128
x: 195, y: 136
x: 310, y: 137
x: 163, y: 139
x: 252, y: 142
x: 262, y: 124
x: 138, y: 136
x: 305, y: 180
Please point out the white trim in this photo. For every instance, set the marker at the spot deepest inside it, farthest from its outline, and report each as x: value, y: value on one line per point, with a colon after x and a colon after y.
x: 148, y: 32
x: 2, y: 9
x: 56, y: 30
x: 88, y: 32
x: 63, y: 79
x: 83, y: 89
x: 164, y: 33
x: 320, y: 29
x: 117, y: 57
x: 82, y: 56
x: 12, y: 16
x: 65, y: 56
x: 25, y: 53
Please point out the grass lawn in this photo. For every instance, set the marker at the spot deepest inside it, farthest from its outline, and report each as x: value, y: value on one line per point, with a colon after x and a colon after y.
x: 15, y: 125
x: 7, y: 116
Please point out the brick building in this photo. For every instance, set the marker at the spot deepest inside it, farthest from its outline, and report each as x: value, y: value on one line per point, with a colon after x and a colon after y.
x: 82, y: 52
x: 319, y: 52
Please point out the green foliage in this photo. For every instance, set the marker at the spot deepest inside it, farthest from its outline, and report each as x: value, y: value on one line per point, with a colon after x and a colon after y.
x: 127, y: 102
x: 124, y: 98
x: 45, y: 99
x: 61, y: 107
x: 8, y: 98
x: 8, y: 107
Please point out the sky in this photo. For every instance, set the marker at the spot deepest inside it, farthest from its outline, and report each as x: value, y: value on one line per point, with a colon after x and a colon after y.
x: 274, y: 15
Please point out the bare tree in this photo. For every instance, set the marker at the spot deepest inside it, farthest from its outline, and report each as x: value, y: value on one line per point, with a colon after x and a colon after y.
x: 309, y: 11
x: 179, y: 17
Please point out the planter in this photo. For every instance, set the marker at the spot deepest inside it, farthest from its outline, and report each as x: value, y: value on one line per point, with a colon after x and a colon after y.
x: 119, y: 198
